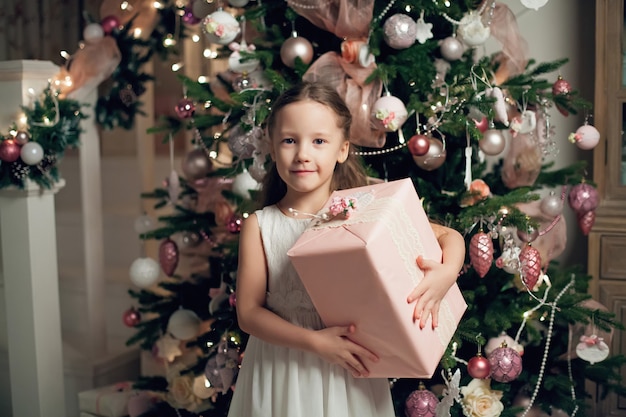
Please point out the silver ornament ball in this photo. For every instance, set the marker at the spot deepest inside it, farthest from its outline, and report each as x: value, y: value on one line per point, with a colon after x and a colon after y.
x: 552, y: 205
x: 451, y: 48
x: 196, y: 164
x: 492, y: 143
x: 434, y: 158
x: 296, y: 47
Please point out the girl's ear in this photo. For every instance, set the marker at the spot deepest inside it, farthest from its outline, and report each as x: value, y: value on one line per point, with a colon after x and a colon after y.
x: 344, y: 151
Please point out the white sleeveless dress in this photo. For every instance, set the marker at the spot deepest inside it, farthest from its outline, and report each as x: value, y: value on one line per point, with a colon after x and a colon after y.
x: 276, y: 381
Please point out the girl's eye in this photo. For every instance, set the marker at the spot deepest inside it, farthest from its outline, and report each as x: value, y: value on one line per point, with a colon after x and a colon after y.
x: 288, y: 140
x: 319, y: 141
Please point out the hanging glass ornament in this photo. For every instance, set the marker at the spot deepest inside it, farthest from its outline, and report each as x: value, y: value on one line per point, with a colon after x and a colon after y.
x: 418, y: 145
x: 478, y: 367
x: 183, y: 324
x: 492, y: 142
x: 131, y: 317
x: 31, y: 153
x: 21, y: 137
x: 220, y: 27
x: 586, y: 137
x: 472, y: 30
x: 235, y: 61
x: 9, y: 150
x: 144, y: 272
x: 400, y: 31
x: 451, y: 48
x: 296, y: 47
x: 434, y: 158
x: 222, y: 368
x: 586, y: 221
x: 196, y: 164
x: 389, y: 113
x: 551, y: 205
x: 583, y: 198
x: 506, y: 364
x: 168, y: 256
x: 481, y: 253
x: 530, y: 266
x: 421, y: 403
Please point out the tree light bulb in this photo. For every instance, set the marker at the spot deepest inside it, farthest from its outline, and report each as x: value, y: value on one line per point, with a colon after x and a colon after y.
x: 176, y: 66
x: 207, y: 383
x: 157, y: 5
x: 137, y: 32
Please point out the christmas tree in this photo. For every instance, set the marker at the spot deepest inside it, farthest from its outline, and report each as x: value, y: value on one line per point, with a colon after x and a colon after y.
x: 473, y: 132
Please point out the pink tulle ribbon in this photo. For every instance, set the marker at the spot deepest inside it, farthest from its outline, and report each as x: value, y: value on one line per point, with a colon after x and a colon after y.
x: 348, y: 19
x: 514, y: 55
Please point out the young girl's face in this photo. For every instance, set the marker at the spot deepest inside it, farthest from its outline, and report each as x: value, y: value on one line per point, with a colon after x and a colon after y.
x: 306, y: 146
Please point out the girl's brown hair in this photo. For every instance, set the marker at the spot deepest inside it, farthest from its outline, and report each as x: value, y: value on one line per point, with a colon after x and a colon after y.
x: 348, y: 174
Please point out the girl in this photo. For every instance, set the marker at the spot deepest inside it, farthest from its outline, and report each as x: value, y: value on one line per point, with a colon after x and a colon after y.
x: 294, y: 366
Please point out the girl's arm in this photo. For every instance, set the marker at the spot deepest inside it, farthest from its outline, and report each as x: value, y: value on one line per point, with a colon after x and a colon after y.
x: 438, y: 277
x: 254, y: 318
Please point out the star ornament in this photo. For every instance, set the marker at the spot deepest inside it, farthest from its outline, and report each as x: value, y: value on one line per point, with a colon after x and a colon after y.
x: 168, y: 348
x: 423, y: 29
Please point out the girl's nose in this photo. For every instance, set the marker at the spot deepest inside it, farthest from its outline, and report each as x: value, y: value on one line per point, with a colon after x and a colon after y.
x: 303, y: 154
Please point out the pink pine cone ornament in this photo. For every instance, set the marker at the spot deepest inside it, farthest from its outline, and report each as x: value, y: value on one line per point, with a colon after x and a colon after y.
x: 481, y: 253
x: 530, y: 262
x: 168, y: 256
x: 586, y: 221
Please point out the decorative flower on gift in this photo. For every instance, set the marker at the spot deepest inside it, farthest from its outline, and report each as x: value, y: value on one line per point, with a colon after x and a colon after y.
x: 480, y: 400
x: 388, y: 119
x: 342, y: 206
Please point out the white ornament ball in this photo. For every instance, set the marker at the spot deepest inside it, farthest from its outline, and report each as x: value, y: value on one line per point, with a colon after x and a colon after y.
x: 238, y: 3
x: 434, y: 158
x: 144, y: 272
x: 143, y: 224
x: 93, y: 31
x: 389, y: 113
x: 296, y: 47
x: 472, y: 30
x: 400, y: 31
x: 451, y: 48
x: 220, y: 27
x: 588, y: 137
x: 31, y: 153
x: 492, y: 143
x: 551, y: 205
x: 243, y: 183
x: 184, y: 324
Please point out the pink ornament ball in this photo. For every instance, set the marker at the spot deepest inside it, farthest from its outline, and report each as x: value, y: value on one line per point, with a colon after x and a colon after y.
x: 185, y: 108
x: 587, y: 137
x: 131, y: 317
x: 421, y: 403
x: 109, y: 24
x: 506, y: 364
x: 583, y: 198
x: 9, y: 150
x: 418, y: 145
x: 234, y: 224
x: 168, y: 256
x: 400, y: 31
x: 561, y: 87
x: 478, y: 367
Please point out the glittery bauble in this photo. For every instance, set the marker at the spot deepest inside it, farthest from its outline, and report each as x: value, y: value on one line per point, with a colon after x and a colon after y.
x: 220, y: 27
x: 478, y: 367
x: 9, y: 150
x: 185, y: 108
x: 587, y: 137
x: 221, y: 369
x: 583, y: 198
x: 586, y: 221
x: 551, y: 205
x: 418, y: 145
x: 144, y: 272
x: 196, y: 165
x: 31, y: 153
x: 21, y: 137
x: 434, y: 158
x: 131, y: 317
x: 506, y: 364
x: 296, y: 47
x: 561, y: 87
x: 421, y: 403
x: 93, y: 31
x: 183, y: 324
x: 189, y: 18
x: 109, y: 24
x: 400, y: 31
x: 168, y: 256
x: 530, y: 265
x: 492, y: 143
x: 451, y: 48
x: 481, y: 253
x: 389, y: 113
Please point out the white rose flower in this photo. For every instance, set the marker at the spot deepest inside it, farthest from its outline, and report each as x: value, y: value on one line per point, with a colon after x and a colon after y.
x: 480, y: 401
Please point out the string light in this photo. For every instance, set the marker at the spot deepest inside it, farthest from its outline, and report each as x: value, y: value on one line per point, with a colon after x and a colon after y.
x: 195, y: 38
x: 177, y: 66
x: 65, y: 54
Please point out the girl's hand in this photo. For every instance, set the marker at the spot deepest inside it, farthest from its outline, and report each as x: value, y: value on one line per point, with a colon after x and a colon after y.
x: 438, y: 278
x: 334, y: 346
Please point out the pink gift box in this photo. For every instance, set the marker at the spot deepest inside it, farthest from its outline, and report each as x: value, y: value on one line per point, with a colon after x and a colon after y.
x: 361, y: 269
x: 108, y: 401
